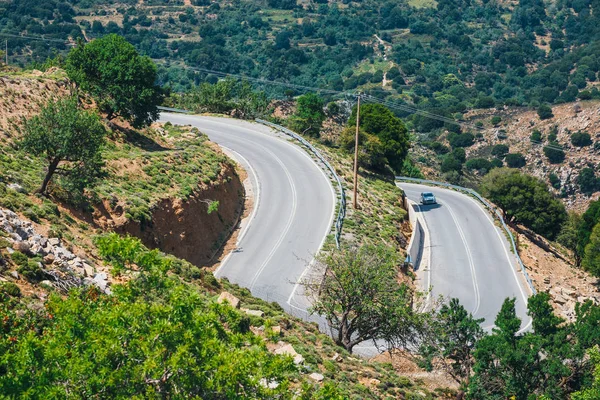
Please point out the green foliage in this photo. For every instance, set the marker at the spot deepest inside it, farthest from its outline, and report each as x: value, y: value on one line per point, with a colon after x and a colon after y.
x: 10, y: 289
x: 122, y: 82
x: 554, y: 180
x: 581, y: 139
x: 588, y: 181
x: 461, y: 139
x: 592, y: 392
x: 371, y: 154
x: 545, y: 112
x: 515, y: 160
x: 378, y: 120
x: 568, y: 235
x: 525, y: 200
x: 31, y: 271
x: 591, y: 253
x: 500, y: 150
x: 223, y: 97
x: 451, y: 335
x: 496, y: 119
x: 361, y: 298
x: 309, y: 115
x: 70, y: 139
x: 155, y: 333
x: 451, y: 163
x: 480, y: 164
x: 503, y: 356
x: 536, y: 136
x: 554, y: 153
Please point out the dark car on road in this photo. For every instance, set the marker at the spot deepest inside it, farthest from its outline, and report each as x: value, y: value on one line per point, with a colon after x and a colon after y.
x: 428, y: 198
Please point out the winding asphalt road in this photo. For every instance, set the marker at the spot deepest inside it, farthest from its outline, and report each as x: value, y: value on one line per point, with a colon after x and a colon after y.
x: 294, y: 205
x: 469, y: 256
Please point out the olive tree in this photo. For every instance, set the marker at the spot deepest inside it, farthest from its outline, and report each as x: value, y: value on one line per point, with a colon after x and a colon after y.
x: 69, y: 138
x: 360, y: 296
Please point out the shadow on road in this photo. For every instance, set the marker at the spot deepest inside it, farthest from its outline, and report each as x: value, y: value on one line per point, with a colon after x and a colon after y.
x: 428, y: 207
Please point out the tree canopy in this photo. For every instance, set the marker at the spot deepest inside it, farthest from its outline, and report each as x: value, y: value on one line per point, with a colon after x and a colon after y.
x: 360, y: 296
x: 378, y: 120
x: 70, y: 139
x: 122, y: 82
x: 309, y: 115
x: 525, y: 200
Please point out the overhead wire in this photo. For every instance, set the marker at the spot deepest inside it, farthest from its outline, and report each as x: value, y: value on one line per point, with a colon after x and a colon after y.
x: 365, y: 97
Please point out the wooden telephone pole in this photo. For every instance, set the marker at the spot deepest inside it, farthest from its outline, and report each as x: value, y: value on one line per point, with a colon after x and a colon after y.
x: 356, y: 153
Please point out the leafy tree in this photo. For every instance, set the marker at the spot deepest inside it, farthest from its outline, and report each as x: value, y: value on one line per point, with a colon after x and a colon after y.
x: 593, y: 391
x: 515, y: 160
x: 378, y: 120
x: 554, y: 180
x: 581, y: 139
x: 461, y: 139
x: 554, y: 153
x: 500, y: 150
x: 122, y: 82
x: 588, y: 181
x: 70, y: 139
x: 480, y: 164
x: 360, y: 296
x: 568, y: 235
x: 524, y: 200
x: 371, y: 154
x: 309, y: 115
x: 451, y: 163
x: 154, y: 337
x: 536, y: 136
x: 545, y: 112
x: 450, y: 338
x: 591, y: 255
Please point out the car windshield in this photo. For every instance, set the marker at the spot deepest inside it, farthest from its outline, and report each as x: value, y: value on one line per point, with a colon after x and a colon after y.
x: 427, y: 194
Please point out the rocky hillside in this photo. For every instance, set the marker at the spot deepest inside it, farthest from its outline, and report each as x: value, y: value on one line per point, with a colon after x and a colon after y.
x: 515, y: 130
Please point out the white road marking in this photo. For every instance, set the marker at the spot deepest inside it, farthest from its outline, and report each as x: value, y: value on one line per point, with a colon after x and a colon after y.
x: 469, y: 256
x: 289, y: 222
x: 491, y: 221
x: 256, y: 187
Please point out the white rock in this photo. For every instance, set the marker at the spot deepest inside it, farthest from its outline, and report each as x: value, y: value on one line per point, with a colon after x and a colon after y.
x: 288, y: 349
x: 317, y: 377
x: 255, y: 313
x: 228, y: 297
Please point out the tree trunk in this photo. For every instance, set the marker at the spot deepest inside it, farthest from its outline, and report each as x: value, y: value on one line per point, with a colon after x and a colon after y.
x: 51, y: 169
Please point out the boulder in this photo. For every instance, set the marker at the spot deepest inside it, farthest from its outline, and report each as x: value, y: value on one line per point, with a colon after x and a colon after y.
x: 21, y: 246
x: 316, y: 377
x: 254, y: 313
x: 16, y: 187
x: 49, y: 259
x: 14, y: 274
x: 47, y: 283
x: 54, y: 241
x: 88, y: 270
x: 288, y: 350
x: 336, y: 357
x: 228, y: 297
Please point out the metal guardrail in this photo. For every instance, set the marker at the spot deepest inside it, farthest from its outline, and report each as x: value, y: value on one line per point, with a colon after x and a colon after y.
x: 176, y: 110
x: 342, y: 203
x: 490, y: 207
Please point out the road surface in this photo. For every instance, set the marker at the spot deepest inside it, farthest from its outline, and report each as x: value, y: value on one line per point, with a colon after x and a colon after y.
x: 294, y: 204
x: 469, y: 256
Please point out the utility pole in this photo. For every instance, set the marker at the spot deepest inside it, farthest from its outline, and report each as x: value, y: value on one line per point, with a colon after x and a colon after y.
x: 6, y: 51
x: 356, y: 153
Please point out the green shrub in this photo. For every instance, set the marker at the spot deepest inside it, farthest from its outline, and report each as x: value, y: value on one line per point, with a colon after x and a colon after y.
x: 536, y: 136
x: 19, y: 258
x: 461, y: 139
x: 545, y: 112
x: 32, y: 271
x: 554, y: 180
x: 581, y: 139
x: 10, y: 289
x: 515, y: 160
x: 478, y: 164
x: 500, y: 150
x: 496, y: 120
x: 554, y: 154
x: 587, y: 181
